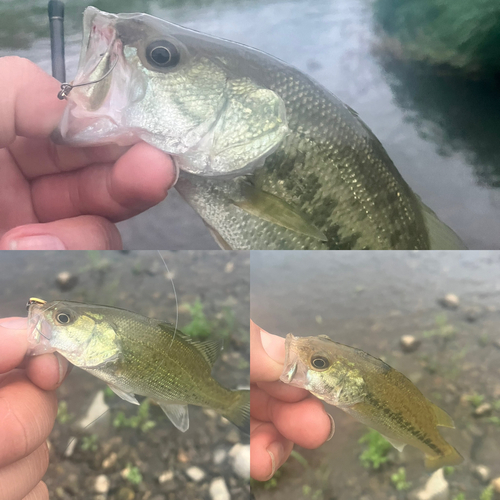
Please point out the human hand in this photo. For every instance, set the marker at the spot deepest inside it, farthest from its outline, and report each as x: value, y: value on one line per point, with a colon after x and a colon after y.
x: 28, y: 409
x: 58, y: 197
x: 281, y: 415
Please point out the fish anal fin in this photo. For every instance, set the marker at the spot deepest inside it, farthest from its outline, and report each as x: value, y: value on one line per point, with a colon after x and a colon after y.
x: 269, y: 207
x: 452, y: 457
x: 178, y: 414
x: 219, y: 239
x: 399, y: 445
x: 443, y: 419
x: 127, y: 396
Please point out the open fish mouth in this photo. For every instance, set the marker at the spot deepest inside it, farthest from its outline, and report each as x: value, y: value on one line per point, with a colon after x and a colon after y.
x: 294, y: 370
x: 39, y: 330
x: 98, y: 94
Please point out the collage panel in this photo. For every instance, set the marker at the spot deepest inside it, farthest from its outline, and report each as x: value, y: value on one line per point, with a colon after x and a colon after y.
x: 96, y: 310
x: 401, y: 347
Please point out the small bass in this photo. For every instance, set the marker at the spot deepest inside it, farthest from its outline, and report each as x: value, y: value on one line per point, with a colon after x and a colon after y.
x: 372, y: 392
x: 134, y: 354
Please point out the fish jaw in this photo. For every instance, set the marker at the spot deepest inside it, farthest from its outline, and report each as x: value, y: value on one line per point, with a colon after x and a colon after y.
x: 39, y: 330
x: 295, y: 372
x: 94, y: 114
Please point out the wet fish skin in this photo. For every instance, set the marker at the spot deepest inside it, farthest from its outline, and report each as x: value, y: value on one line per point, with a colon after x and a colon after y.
x: 268, y: 157
x: 372, y: 392
x: 137, y: 355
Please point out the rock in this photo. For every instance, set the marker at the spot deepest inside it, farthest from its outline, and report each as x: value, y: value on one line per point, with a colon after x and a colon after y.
x: 450, y: 301
x: 472, y: 314
x: 182, y: 457
x: 66, y: 281
x: 233, y: 436
x: 168, y: 475
x: 125, y: 494
x: 496, y: 484
x: 219, y: 456
x: 229, y: 267
x: 482, y: 473
x: 195, y: 473
x: 101, y: 484
x: 240, y: 460
x: 108, y: 462
x: 483, y: 410
x: 96, y: 410
x: 409, y: 343
x: 218, y: 489
x: 436, y: 488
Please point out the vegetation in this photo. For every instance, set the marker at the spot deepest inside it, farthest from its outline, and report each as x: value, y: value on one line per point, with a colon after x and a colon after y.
x: 443, y: 329
x: 448, y: 470
x: 460, y: 34
x: 398, y: 479
x: 132, y: 474
x: 377, y: 451
x: 460, y: 496
x: 90, y: 443
x: 140, y: 421
x: 475, y: 399
x: 487, y: 493
x: 63, y: 417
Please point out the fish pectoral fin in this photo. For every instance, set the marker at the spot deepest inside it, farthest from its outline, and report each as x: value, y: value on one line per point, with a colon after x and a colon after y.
x: 127, y: 396
x: 178, y: 414
x: 268, y: 207
x: 443, y: 419
x: 399, y: 445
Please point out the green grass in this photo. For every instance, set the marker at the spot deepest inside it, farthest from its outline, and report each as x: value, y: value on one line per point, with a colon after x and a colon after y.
x: 376, y: 451
x: 90, y: 443
x: 398, y: 480
x: 449, y: 470
x: 140, y: 421
x: 443, y: 329
x: 199, y: 327
x: 487, y: 493
x: 460, y: 496
x: 63, y: 417
x: 270, y: 484
x: 475, y: 399
x: 132, y: 474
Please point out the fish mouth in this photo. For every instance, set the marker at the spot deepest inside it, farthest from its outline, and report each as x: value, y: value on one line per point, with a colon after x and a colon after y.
x: 99, y: 91
x: 294, y: 370
x: 39, y: 329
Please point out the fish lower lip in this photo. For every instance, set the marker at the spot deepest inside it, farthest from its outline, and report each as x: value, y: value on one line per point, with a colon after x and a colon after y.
x: 291, y: 372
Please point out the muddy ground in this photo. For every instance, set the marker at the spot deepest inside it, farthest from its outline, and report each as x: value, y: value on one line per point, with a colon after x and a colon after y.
x: 134, y: 459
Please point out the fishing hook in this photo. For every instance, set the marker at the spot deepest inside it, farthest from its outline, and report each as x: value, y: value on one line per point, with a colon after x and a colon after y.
x: 66, y: 88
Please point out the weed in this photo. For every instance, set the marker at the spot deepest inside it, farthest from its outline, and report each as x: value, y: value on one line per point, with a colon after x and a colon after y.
x: 376, y: 453
x: 496, y: 405
x: 132, y: 474
x: 448, y: 470
x: 398, y: 479
x: 63, y: 417
x: 302, y: 460
x: 475, y: 399
x: 460, y: 496
x: 90, y: 443
x: 141, y: 420
x: 199, y: 327
x: 270, y: 483
x: 443, y: 328
x: 307, y: 492
x: 487, y: 493
x: 494, y: 420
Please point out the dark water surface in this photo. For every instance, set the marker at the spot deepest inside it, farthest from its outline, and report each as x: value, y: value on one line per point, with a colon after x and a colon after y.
x: 369, y: 301
x: 441, y: 132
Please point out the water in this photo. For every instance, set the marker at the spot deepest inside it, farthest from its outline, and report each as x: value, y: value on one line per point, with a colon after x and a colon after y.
x: 370, y: 300
x: 441, y: 132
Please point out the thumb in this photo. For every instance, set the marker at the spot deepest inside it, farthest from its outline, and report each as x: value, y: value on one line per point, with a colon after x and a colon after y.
x: 267, y: 355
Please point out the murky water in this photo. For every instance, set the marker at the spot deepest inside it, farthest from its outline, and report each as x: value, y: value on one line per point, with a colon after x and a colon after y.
x: 370, y: 301
x: 441, y: 132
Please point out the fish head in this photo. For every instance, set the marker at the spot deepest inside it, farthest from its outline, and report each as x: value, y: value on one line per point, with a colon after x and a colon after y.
x: 318, y: 365
x: 179, y: 90
x: 82, y: 336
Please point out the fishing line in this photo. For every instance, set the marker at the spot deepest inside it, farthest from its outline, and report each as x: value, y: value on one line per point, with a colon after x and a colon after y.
x: 175, y: 294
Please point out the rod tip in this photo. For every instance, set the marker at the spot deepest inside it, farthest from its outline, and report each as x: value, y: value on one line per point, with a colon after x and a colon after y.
x: 56, y: 8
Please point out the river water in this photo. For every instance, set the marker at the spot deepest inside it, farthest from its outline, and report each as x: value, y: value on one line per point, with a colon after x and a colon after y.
x: 441, y: 132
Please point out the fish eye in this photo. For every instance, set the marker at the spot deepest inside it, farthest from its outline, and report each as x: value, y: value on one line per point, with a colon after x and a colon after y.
x: 162, y: 53
x: 63, y: 318
x: 320, y: 362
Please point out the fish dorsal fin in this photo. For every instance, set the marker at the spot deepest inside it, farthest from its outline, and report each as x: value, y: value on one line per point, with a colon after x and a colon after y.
x: 209, y: 349
x: 178, y: 414
x: 443, y: 419
x: 268, y: 207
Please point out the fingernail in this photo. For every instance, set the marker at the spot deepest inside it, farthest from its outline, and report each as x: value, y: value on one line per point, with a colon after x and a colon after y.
x: 276, y: 452
x: 15, y: 324
x: 332, y: 428
x: 37, y: 242
x: 273, y: 345
x: 63, y: 366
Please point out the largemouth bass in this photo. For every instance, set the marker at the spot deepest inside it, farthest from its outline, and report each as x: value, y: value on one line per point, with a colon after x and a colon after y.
x: 267, y: 157
x: 372, y: 392
x: 137, y: 355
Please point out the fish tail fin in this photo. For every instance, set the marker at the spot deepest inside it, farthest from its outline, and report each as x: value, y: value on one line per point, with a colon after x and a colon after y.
x: 238, y: 412
x: 451, y: 457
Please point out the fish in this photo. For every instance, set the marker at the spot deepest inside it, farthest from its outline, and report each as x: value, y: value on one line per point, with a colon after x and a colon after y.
x: 372, y: 392
x: 265, y: 155
x: 136, y: 355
